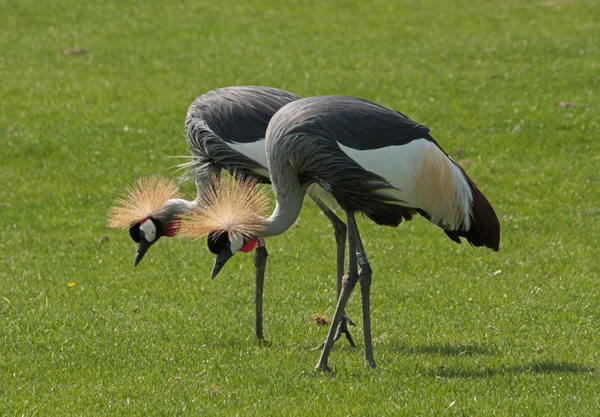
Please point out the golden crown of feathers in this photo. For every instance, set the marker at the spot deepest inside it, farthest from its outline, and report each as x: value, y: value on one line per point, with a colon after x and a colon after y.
x: 146, y: 198
x: 229, y: 204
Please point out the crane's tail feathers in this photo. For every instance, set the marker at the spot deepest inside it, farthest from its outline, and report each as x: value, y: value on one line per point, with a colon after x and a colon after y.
x: 229, y: 204
x: 146, y: 198
x: 449, y: 198
x: 484, y: 227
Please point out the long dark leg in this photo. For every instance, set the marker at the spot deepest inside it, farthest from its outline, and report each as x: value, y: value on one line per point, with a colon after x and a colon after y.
x: 260, y: 263
x: 364, y: 278
x: 339, y: 230
x: 348, y: 284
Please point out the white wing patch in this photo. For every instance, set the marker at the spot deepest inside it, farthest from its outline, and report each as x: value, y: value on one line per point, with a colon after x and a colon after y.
x: 254, y: 151
x: 399, y: 165
x: 423, y: 177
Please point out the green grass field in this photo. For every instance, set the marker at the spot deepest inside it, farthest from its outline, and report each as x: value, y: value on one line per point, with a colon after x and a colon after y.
x: 510, y: 88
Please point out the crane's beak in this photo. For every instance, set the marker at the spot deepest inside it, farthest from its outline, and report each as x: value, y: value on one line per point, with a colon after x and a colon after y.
x: 142, y: 249
x: 221, y: 260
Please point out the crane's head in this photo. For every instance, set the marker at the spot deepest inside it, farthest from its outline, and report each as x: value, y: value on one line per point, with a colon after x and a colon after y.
x: 149, y: 211
x: 226, y: 245
x: 147, y: 232
x: 229, y: 213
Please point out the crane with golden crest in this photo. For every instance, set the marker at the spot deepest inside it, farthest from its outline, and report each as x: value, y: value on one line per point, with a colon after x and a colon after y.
x: 370, y: 159
x: 225, y: 130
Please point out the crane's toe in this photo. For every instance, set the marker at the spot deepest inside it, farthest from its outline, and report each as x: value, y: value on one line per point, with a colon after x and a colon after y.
x: 262, y: 342
x: 342, y: 329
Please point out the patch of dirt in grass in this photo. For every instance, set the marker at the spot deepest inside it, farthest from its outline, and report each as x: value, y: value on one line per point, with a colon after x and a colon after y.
x: 320, y: 320
x: 564, y: 104
x: 77, y: 50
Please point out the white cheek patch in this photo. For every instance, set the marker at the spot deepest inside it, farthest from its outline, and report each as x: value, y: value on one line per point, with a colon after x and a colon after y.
x: 236, y: 242
x: 149, y: 230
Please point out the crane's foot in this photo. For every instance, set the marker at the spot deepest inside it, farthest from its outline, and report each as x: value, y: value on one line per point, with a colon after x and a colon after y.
x: 262, y: 342
x: 342, y: 329
x: 370, y: 363
x: 322, y: 367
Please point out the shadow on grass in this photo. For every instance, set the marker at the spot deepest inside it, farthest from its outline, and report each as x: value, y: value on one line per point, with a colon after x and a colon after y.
x: 533, y: 368
x: 465, y: 371
x: 447, y: 349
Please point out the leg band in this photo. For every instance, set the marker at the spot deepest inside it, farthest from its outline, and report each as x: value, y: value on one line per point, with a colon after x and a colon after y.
x: 362, y: 258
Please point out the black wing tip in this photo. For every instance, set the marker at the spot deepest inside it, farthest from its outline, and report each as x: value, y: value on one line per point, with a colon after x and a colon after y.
x: 486, y: 221
x: 485, y: 227
x: 475, y: 239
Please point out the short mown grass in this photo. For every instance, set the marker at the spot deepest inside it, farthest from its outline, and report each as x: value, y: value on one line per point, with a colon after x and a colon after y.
x: 93, y: 95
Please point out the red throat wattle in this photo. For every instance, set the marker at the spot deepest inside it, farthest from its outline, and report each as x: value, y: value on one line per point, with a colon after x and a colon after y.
x: 173, y: 227
x: 249, y: 245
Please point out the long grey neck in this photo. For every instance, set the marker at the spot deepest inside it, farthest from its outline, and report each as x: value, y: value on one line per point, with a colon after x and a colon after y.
x: 287, y: 209
x: 177, y: 206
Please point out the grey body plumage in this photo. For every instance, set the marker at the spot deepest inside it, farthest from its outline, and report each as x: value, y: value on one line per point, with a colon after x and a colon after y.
x: 304, y: 142
x: 227, y: 116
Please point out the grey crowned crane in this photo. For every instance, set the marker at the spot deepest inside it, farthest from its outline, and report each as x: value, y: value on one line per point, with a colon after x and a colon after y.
x: 225, y: 129
x: 371, y: 159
